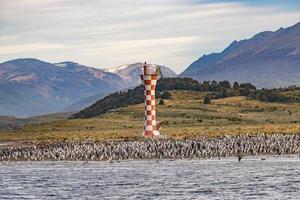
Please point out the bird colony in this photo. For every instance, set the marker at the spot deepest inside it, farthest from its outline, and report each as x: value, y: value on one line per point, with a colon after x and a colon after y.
x: 243, y: 145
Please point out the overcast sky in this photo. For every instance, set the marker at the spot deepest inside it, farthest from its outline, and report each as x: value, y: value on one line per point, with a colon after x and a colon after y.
x: 106, y: 33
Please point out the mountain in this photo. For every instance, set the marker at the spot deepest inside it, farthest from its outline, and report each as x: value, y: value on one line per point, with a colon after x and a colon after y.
x: 33, y: 87
x: 84, y: 103
x: 269, y: 59
x: 130, y: 73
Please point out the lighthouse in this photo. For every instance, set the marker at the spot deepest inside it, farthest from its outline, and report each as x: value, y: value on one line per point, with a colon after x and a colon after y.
x: 149, y: 75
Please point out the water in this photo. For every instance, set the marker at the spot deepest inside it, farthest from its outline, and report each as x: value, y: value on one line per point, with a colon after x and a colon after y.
x: 253, y: 178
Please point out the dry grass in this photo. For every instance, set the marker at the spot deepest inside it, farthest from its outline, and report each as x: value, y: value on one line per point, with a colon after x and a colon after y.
x: 184, y: 116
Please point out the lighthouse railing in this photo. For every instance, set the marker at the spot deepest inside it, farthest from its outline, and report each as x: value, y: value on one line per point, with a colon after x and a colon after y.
x: 151, y: 69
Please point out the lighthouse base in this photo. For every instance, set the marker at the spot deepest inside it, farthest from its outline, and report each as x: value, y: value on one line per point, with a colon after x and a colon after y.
x: 151, y: 133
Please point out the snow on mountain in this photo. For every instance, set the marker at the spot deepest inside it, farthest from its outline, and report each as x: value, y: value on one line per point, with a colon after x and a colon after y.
x: 130, y: 72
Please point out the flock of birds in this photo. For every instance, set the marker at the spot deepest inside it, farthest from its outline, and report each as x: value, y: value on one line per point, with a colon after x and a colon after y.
x: 156, y: 149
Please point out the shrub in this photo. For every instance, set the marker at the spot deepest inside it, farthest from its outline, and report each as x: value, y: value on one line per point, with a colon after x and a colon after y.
x: 161, y: 102
x: 207, y: 100
x: 166, y: 95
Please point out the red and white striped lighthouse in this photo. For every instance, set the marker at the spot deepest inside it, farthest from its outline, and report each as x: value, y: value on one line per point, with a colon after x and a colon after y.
x: 149, y: 76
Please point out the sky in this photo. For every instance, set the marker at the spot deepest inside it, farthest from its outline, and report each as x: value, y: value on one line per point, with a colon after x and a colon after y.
x: 109, y: 33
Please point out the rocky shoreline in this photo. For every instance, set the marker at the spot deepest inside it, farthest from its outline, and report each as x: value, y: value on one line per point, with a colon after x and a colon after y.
x: 276, y: 144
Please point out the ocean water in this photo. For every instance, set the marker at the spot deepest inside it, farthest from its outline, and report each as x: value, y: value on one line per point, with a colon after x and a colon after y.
x: 252, y: 178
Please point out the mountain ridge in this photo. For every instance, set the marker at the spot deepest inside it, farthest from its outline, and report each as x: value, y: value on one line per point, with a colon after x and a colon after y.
x: 268, y: 59
x: 29, y: 86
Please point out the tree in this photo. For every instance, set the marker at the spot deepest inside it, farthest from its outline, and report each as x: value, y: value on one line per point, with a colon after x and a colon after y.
x: 244, y: 91
x: 214, y: 86
x: 222, y: 93
x: 206, y: 100
x: 177, y: 84
x: 225, y: 84
x: 205, y: 86
x: 248, y: 85
x: 166, y: 95
x: 236, y: 85
x: 262, y: 96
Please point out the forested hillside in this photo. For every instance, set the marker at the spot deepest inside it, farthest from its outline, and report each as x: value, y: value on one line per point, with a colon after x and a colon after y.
x: 215, y: 90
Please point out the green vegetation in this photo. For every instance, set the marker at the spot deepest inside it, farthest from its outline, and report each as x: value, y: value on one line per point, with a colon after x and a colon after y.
x: 113, y: 101
x: 216, y: 90
x: 187, y: 109
x: 183, y: 116
x: 135, y: 96
x: 207, y: 100
x: 166, y: 95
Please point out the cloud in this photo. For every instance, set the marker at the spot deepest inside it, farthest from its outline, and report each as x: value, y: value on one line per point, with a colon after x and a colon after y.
x: 108, y: 33
x: 32, y: 47
x: 141, y: 44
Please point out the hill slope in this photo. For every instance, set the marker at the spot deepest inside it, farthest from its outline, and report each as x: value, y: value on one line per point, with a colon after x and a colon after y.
x: 31, y: 87
x: 183, y: 116
x: 269, y: 59
x: 214, y: 90
x: 84, y: 103
x: 133, y: 96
